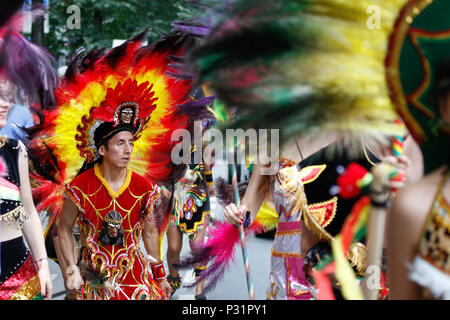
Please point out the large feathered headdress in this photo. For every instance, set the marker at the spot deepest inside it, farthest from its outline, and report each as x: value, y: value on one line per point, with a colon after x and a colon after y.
x: 303, y: 66
x: 132, y: 87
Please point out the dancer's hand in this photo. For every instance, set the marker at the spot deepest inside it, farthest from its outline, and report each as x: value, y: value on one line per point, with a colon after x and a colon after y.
x: 44, y: 279
x: 74, y: 279
x: 401, y: 164
x: 165, y: 193
x: 234, y: 215
x: 166, y: 288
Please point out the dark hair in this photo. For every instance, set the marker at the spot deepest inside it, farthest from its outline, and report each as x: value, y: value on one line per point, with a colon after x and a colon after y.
x: 104, y: 237
x: 442, y: 82
x: 100, y: 140
x: 107, y: 130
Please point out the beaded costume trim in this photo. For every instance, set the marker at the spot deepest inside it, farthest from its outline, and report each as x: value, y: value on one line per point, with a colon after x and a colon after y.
x: 18, y: 216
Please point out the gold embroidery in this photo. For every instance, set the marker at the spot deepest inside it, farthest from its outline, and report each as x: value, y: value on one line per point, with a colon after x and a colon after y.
x: 434, y: 245
x: 280, y: 254
x: 287, y: 233
x: 324, y: 212
x: 197, y: 225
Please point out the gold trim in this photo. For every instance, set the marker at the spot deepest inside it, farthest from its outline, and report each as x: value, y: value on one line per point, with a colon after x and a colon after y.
x: 280, y: 254
x: 197, y: 225
x: 315, y: 227
x: 321, y: 206
x: 288, y: 233
x: 307, y: 171
x: 397, y: 39
x: 17, y: 215
x: 112, y: 193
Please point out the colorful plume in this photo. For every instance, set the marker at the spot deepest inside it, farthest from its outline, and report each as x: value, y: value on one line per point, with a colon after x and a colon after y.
x: 302, y: 66
x: 94, y: 88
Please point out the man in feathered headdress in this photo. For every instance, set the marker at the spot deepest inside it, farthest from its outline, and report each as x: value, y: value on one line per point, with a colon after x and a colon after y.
x: 115, y: 118
x: 110, y: 195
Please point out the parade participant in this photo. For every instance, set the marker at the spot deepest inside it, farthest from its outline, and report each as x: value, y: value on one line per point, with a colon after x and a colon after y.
x: 124, y: 201
x: 418, y: 238
x: 317, y: 175
x: 19, y: 119
x: 191, y: 211
x: 25, y: 69
x: 303, y: 68
x: 115, y: 117
x: 23, y: 275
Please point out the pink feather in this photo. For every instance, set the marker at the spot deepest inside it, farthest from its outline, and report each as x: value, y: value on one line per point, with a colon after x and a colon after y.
x: 3, y: 167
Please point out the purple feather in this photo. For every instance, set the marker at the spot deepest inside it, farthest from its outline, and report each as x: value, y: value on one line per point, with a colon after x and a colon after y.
x: 197, y: 109
x: 194, y: 30
x: 224, y: 192
x: 30, y: 68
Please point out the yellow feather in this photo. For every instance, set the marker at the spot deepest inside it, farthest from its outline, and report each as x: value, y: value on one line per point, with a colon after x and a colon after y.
x: 267, y: 217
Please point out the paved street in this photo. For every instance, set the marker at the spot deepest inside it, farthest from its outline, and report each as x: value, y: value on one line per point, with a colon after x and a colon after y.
x: 233, y: 286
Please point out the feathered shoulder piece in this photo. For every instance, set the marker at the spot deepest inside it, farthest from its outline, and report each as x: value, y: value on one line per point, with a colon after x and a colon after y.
x: 133, y: 85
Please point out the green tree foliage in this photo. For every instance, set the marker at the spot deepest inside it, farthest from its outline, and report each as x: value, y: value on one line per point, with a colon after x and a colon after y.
x: 101, y: 21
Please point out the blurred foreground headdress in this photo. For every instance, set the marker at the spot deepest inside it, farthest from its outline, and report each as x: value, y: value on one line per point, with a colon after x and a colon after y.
x: 27, y: 66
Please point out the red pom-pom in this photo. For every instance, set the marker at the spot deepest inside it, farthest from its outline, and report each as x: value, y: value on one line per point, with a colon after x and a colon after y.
x: 348, y: 181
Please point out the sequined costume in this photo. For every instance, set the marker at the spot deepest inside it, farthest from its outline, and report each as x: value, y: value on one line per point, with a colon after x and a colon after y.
x: 287, y: 279
x: 191, y: 201
x: 318, y: 174
x: 18, y: 277
x: 431, y: 266
x: 124, y: 266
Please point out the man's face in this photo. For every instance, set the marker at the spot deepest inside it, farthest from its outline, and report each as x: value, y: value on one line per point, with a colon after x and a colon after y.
x: 120, y: 148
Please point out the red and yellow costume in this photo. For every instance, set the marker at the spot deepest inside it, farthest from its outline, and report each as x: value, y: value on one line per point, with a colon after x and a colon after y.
x: 134, y: 88
x: 125, y: 266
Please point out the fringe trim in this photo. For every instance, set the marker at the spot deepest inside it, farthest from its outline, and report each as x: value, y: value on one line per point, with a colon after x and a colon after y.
x: 426, y: 275
x: 17, y: 216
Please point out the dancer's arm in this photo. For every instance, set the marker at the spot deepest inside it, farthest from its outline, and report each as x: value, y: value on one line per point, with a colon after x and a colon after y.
x: 252, y: 200
x: 404, y: 226
x: 150, y: 237
x: 32, y: 228
x: 66, y: 222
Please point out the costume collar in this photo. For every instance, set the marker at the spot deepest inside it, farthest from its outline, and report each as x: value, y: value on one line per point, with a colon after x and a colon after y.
x: 112, y: 193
